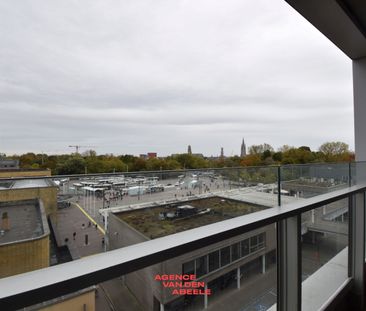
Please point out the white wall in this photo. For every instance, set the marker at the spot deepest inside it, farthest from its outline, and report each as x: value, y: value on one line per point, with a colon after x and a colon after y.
x: 359, y: 94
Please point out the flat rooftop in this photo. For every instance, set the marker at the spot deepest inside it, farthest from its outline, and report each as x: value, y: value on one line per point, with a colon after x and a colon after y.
x: 148, y: 220
x: 12, y: 169
x: 26, y: 219
x: 251, y: 195
x: 26, y: 183
x: 314, y: 182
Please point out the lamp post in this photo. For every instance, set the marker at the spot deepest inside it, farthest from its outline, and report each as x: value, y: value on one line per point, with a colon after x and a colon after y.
x: 103, y: 198
x: 138, y: 190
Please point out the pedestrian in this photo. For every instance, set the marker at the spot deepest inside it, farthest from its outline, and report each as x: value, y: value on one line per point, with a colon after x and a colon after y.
x: 102, y: 241
x: 89, y: 224
x: 73, y: 236
x: 96, y: 226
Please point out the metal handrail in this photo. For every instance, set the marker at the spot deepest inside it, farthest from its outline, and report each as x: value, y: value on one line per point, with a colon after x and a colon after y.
x: 44, y: 284
x: 159, y: 172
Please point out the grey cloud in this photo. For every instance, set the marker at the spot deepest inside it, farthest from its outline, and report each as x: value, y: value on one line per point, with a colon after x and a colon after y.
x: 121, y: 75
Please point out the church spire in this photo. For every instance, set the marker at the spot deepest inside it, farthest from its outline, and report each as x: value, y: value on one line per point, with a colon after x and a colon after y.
x: 243, y: 150
x: 189, y: 149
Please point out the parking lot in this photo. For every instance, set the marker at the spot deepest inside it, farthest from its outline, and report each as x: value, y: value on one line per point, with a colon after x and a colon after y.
x: 117, y: 196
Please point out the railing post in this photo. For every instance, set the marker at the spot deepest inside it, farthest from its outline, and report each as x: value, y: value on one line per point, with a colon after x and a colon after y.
x: 349, y: 174
x: 279, y: 184
x: 239, y: 178
x: 357, y: 247
x: 289, y: 264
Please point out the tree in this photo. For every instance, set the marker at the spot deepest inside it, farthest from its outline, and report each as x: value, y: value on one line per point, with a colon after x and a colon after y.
x: 266, y: 154
x: 171, y: 164
x: 138, y: 165
x: 335, y: 151
x: 51, y: 163
x: 305, y: 148
x: 190, y: 161
x: 73, y: 165
x: 277, y: 156
x: 258, y: 149
x: 334, y: 148
x: 232, y: 161
x: 285, y: 148
x: 27, y: 160
x: 129, y: 160
x: 89, y: 153
x: 297, y: 156
x: 251, y: 160
x: 154, y: 164
x: 113, y: 164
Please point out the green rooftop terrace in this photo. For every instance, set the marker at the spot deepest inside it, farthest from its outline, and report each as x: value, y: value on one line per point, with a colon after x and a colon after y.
x: 148, y: 220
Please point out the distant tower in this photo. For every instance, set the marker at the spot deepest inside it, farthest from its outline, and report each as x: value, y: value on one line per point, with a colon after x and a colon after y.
x: 243, y: 150
x: 189, y: 149
x: 222, y: 152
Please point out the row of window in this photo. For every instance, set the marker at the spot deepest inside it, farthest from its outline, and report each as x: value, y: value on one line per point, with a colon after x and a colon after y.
x: 224, y: 256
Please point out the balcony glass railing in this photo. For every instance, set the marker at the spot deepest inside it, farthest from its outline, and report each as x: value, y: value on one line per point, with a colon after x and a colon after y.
x: 324, y: 249
x: 221, y: 226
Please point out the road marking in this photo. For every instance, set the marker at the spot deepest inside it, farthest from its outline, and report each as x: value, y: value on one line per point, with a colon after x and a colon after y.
x: 90, y: 218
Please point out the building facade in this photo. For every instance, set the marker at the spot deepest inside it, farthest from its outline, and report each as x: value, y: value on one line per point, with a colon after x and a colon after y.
x: 6, y: 164
x: 13, y: 173
x: 24, y: 237
x: 44, y: 189
x: 221, y: 266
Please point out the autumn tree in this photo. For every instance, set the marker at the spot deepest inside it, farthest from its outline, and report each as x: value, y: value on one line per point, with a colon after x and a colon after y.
x: 27, y: 160
x: 297, y: 156
x: 73, y: 165
x: 258, y: 149
x: 251, y: 160
x: 335, y: 151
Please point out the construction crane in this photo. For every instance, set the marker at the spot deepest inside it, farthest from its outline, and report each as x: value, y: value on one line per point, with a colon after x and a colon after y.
x: 79, y: 146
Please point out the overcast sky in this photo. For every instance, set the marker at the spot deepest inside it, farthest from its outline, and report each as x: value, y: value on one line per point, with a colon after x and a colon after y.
x: 156, y: 75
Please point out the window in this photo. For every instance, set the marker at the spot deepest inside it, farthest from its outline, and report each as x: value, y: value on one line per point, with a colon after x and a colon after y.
x: 201, y: 266
x: 235, y: 251
x: 225, y: 256
x: 257, y: 242
x: 213, y: 261
x: 253, y: 243
x: 261, y: 240
x: 244, y: 247
x: 188, y: 267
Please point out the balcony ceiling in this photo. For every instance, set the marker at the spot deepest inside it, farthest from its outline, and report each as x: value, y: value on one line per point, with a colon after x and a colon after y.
x: 341, y: 21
